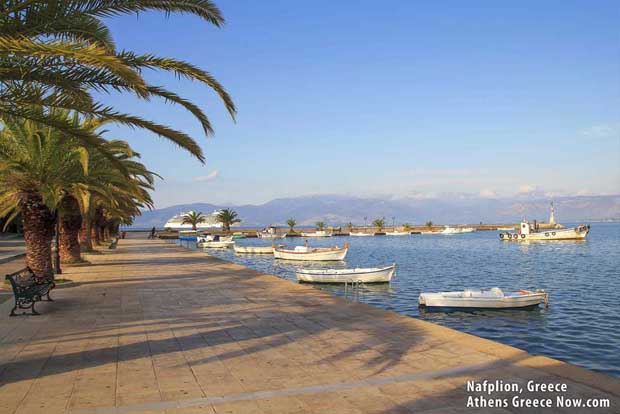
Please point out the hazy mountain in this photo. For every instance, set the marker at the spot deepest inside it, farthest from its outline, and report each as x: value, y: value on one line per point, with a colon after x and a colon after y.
x: 339, y: 210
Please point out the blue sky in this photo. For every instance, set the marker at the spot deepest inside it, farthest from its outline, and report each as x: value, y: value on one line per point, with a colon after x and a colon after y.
x: 391, y: 98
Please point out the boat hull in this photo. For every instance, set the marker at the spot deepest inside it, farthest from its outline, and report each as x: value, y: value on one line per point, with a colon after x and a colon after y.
x: 577, y: 233
x: 398, y: 233
x: 316, y: 234
x: 442, y: 300
x: 253, y: 249
x: 360, y: 234
x: 216, y: 244
x: 376, y: 275
x: 315, y: 255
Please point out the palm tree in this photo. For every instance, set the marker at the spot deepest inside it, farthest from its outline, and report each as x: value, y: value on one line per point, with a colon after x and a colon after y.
x: 36, y: 165
x: 320, y: 225
x: 406, y: 227
x: 350, y: 226
x: 291, y: 223
x: 429, y: 224
x: 227, y: 217
x: 379, y: 224
x: 56, y: 54
x: 193, y: 218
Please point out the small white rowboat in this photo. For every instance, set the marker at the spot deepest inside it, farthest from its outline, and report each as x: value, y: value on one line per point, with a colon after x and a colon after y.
x: 360, y: 234
x: 483, y: 299
x: 311, y: 254
x: 398, y: 233
x: 360, y: 275
x: 253, y: 249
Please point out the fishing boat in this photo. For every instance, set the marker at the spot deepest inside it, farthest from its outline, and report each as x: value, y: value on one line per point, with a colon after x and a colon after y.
x: 360, y: 234
x: 270, y: 232
x: 214, y: 241
x: 253, y: 249
x: 318, y: 233
x: 398, y: 233
x: 493, y: 298
x: 311, y: 253
x: 357, y: 275
x: 527, y: 232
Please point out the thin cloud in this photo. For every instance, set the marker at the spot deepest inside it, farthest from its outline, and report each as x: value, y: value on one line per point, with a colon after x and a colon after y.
x: 209, y: 177
x: 601, y: 131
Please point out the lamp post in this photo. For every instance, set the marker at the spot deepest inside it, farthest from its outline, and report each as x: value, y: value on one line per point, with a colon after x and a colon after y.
x: 365, y: 219
x: 393, y: 223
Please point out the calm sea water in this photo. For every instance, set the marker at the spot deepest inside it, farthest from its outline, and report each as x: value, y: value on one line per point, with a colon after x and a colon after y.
x: 581, y: 325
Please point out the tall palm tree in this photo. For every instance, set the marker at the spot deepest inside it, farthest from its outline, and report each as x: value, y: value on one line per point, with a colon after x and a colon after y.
x: 379, y: 224
x: 55, y: 53
x: 35, y: 166
x: 227, y: 217
x: 429, y: 224
x: 320, y: 225
x: 291, y: 223
x: 193, y: 218
x: 406, y: 227
x: 350, y: 226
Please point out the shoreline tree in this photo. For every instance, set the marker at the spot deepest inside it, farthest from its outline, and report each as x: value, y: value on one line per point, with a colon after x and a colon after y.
x: 291, y: 223
x: 320, y: 225
x: 379, y: 224
x: 194, y: 218
x: 227, y: 217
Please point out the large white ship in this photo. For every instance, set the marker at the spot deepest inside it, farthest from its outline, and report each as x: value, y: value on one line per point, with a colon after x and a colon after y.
x: 176, y: 222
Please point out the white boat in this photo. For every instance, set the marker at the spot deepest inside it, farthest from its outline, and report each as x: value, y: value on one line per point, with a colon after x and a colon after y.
x: 455, y: 230
x: 527, y: 232
x: 206, y: 238
x: 253, y: 249
x: 398, y: 233
x: 311, y: 253
x: 360, y: 234
x: 483, y: 299
x: 358, y: 275
x: 176, y: 222
x: 318, y: 233
x: 270, y: 232
x: 216, y: 244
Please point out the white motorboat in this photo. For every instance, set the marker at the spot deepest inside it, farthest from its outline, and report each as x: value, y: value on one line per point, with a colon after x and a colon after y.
x: 270, y: 232
x: 311, y: 253
x: 212, y: 237
x: 493, y: 298
x: 358, y: 275
x: 527, y: 232
x: 318, y: 233
x: 456, y: 230
x: 360, y: 234
x: 216, y: 244
x: 398, y: 233
x: 253, y: 249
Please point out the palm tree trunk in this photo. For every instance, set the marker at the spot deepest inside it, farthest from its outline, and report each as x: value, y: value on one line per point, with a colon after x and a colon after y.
x: 38, y: 233
x: 70, y: 225
x: 85, y: 234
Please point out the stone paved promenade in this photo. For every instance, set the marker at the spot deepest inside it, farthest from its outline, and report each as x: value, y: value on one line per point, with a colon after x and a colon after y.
x: 154, y: 328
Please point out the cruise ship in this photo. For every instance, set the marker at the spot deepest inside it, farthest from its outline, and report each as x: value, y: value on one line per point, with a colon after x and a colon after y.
x: 176, y: 222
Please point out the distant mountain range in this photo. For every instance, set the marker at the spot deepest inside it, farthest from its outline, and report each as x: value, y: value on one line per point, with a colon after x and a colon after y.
x: 339, y: 210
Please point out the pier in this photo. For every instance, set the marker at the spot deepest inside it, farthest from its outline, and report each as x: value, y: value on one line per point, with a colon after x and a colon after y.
x: 155, y: 328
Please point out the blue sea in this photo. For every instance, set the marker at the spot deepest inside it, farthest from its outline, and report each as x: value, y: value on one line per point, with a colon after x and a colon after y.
x: 581, y: 325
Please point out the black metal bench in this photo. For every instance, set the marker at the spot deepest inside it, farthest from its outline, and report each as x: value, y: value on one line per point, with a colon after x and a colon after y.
x: 28, y: 289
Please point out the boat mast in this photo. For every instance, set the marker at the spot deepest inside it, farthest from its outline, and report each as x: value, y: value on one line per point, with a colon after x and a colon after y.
x: 552, y: 215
